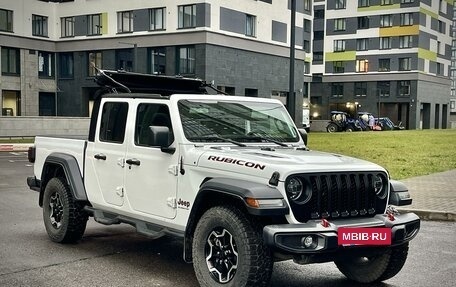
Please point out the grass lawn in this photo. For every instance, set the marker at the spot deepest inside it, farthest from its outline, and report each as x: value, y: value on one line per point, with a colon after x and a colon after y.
x: 403, y: 153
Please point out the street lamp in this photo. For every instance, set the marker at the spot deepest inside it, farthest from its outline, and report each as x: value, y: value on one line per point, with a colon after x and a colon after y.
x: 291, y: 99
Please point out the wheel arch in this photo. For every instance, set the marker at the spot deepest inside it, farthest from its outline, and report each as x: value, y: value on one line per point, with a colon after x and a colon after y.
x: 231, y: 192
x: 65, y: 166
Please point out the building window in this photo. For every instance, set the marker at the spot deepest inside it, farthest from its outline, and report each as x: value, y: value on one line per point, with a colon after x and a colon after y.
x: 319, y: 14
x: 439, y: 47
x: 307, y: 5
x: 383, y: 89
x: 67, y: 25
x: 338, y: 67
x: 187, y: 16
x: 385, y: 43
x: 46, y: 103
x: 157, y: 61
x: 406, y: 19
x: 362, y: 44
x: 386, y: 20
x: 306, y: 67
x: 10, y: 61
x: 306, y: 46
x: 406, y: 1
x: 363, y: 3
x: 407, y: 42
x: 341, y: 4
x: 360, y: 89
x: 39, y: 25
x: 405, y: 64
x: 404, y: 88
x: 94, y: 24
x: 250, y: 25
x: 46, y: 64
x: 157, y: 18
x: 386, y: 2
x: 11, y: 103
x: 442, y: 6
x: 307, y: 25
x: 125, y: 22
x: 339, y: 24
x: 362, y: 65
x: 339, y: 45
x: 319, y: 35
x: 66, y: 65
x: 383, y: 65
x: 363, y: 22
x: 186, y: 61
x: 6, y: 20
x: 95, y: 60
x: 441, y: 27
x: 439, y: 69
x: 337, y: 90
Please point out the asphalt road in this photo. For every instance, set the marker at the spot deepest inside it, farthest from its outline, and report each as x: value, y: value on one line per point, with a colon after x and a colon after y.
x: 117, y: 256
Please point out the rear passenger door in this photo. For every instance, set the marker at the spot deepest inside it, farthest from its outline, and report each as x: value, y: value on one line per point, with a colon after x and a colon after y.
x: 105, y: 157
x: 151, y: 178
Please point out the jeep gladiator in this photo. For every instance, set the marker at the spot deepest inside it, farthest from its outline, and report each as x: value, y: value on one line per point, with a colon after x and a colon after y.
x: 231, y: 176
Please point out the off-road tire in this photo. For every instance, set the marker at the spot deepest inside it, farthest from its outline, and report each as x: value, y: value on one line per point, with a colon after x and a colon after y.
x: 378, y: 268
x: 72, y: 219
x: 254, y: 261
x: 332, y: 128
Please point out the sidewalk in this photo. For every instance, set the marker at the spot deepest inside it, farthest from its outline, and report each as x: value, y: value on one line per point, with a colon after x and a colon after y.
x: 434, y: 195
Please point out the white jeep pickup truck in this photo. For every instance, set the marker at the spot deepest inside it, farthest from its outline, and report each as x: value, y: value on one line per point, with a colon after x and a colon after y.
x: 231, y: 176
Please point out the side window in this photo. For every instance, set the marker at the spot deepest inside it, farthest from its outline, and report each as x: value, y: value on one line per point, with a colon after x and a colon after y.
x: 113, y: 122
x: 151, y: 115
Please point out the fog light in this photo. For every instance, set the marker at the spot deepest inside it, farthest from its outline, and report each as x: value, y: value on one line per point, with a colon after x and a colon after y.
x: 307, y: 241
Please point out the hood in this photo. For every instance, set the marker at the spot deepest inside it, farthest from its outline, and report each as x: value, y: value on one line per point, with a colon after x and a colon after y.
x: 262, y: 163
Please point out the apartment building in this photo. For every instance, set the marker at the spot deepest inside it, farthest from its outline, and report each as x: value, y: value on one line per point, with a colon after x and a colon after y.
x: 453, y: 71
x: 49, y: 48
x: 388, y: 57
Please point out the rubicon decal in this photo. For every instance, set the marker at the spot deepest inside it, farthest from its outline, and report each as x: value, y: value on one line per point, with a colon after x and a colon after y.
x: 236, y: 161
x: 364, y: 236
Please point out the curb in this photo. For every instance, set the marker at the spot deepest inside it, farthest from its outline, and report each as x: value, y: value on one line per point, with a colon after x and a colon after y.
x: 15, y: 147
x: 432, y: 215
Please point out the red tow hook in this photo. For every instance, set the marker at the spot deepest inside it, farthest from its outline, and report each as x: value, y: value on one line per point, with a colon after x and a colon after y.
x: 325, y: 223
x: 390, y: 212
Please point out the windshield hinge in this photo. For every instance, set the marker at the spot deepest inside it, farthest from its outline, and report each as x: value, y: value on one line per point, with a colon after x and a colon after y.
x: 171, y: 202
x: 173, y: 169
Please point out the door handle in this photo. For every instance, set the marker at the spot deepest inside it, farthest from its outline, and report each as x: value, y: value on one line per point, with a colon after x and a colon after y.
x: 133, y: 161
x: 100, y: 156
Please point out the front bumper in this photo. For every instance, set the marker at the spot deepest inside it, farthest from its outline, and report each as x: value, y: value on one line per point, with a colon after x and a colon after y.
x: 289, y: 238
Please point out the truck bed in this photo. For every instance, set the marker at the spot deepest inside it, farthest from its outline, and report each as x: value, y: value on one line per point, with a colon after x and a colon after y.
x: 46, y: 145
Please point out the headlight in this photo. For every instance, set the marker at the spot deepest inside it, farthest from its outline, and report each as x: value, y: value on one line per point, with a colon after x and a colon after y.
x: 297, y: 190
x: 380, y: 187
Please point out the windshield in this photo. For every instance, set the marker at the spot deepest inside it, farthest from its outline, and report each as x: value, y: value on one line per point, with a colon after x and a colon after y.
x: 213, y: 120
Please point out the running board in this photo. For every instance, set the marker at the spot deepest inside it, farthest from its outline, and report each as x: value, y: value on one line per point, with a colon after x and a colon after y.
x: 151, y: 230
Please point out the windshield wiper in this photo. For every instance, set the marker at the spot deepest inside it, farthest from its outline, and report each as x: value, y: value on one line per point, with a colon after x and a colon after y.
x: 218, y: 138
x: 262, y: 138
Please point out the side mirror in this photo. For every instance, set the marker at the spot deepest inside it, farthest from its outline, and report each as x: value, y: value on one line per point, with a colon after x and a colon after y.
x: 159, y: 136
x: 303, y: 134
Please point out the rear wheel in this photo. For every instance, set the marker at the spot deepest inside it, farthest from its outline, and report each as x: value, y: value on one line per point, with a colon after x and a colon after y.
x: 332, y: 128
x: 64, y: 218
x: 228, y: 250
x: 368, y: 269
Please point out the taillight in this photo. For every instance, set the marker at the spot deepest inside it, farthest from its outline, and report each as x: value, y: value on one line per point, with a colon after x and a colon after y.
x: 31, y: 154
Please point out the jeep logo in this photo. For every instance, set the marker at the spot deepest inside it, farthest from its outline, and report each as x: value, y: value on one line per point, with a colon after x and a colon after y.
x: 183, y: 204
x: 236, y: 161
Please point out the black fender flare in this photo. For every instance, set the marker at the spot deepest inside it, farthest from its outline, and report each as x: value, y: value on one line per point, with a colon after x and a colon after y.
x: 399, y: 194
x: 221, y: 189
x: 73, y: 175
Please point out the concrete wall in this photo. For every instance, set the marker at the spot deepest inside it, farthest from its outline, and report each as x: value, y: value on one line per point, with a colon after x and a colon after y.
x: 33, y: 126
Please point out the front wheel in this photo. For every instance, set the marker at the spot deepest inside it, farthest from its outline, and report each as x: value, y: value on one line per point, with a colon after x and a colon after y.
x: 228, y: 250
x: 332, y: 128
x: 64, y: 218
x: 376, y: 268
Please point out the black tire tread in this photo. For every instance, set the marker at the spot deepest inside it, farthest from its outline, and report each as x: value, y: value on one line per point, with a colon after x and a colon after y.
x: 77, y: 217
x: 261, y: 263
x: 398, y: 257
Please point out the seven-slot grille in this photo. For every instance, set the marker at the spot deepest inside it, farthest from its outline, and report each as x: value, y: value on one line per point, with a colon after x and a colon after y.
x: 339, y: 195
